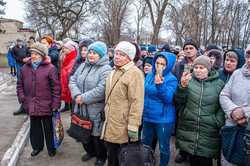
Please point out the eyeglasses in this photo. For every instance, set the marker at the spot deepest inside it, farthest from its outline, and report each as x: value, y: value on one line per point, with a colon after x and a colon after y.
x: 248, y: 52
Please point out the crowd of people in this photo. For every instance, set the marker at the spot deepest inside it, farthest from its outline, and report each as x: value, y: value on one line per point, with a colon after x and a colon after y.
x: 133, y: 94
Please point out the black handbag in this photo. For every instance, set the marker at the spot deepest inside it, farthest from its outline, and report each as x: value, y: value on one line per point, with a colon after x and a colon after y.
x: 80, y: 126
x: 136, y: 154
x: 233, y: 144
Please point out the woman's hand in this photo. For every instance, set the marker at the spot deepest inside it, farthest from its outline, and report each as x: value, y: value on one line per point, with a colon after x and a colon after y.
x: 158, y: 79
x: 79, y: 99
x: 186, y: 77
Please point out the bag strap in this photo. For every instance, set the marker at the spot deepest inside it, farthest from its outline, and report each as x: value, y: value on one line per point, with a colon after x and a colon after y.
x: 78, y: 105
x: 112, y: 88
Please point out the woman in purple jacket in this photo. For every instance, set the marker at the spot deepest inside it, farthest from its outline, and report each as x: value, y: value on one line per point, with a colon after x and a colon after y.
x: 38, y: 90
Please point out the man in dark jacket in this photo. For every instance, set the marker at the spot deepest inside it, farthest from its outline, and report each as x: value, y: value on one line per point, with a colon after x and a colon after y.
x: 21, y: 55
x: 191, y: 52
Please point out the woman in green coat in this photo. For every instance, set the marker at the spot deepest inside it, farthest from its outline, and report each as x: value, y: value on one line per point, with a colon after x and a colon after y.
x: 201, y: 117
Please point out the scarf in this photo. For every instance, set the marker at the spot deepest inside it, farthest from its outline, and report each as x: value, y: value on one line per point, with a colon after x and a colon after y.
x: 36, y: 64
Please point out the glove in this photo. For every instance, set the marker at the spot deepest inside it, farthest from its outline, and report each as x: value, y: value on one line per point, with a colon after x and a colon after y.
x: 133, y: 135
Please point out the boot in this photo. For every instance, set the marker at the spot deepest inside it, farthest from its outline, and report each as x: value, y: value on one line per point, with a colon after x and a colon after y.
x: 20, y: 111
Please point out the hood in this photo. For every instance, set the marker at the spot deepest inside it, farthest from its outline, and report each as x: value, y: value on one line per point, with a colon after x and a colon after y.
x: 240, y: 54
x: 101, y: 62
x: 218, y: 56
x: 170, y: 59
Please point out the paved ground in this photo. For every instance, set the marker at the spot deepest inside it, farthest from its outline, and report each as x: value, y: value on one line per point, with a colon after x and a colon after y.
x: 10, y: 124
x: 68, y: 154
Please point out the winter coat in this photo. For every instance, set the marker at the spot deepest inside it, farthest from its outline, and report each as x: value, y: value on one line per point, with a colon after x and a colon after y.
x: 200, y: 121
x: 11, y: 60
x: 19, y: 53
x: 124, y: 103
x: 79, y: 60
x: 39, y: 90
x: 66, y: 67
x: 158, y: 100
x: 225, y: 75
x: 54, y: 55
x: 89, y: 82
x: 236, y: 93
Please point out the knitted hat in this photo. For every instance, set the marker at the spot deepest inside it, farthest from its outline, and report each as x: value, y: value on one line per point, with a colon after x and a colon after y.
x: 247, y: 50
x: 69, y: 45
x: 49, y: 39
x: 148, y: 60
x: 190, y: 42
x: 85, y: 42
x: 203, y: 60
x: 127, y: 48
x: 40, y: 49
x: 99, y: 47
x: 212, y: 47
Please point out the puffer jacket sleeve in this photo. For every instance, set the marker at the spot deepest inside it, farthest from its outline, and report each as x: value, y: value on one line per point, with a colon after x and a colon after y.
x: 225, y: 98
x: 220, y: 118
x: 181, y: 95
x: 136, y: 101
x: 74, y: 89
x: 54, y: 55
x: 98, y: 93
x: 55, y: 88
x: 20, y: 88
x: 166, y: 90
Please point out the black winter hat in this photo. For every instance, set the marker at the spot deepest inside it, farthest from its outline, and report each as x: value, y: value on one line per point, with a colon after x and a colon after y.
x: 212, y: 47
x: 165, y: 48
x: 190, y: 42
x: 85, y: 42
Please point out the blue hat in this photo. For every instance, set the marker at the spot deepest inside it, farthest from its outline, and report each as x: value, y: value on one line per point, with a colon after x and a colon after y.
x: 99, y: 47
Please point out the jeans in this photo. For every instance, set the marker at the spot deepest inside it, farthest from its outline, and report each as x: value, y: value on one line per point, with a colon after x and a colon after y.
x: 18, y: 70
x: 163, y: 132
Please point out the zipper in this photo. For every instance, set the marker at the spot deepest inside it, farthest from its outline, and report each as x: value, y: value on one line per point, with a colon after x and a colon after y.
x: 198, y: 119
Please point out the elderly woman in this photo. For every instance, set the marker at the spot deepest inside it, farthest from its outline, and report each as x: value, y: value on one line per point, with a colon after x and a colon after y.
x: 38, y: 89
x: 233, y: 59
x: 87, y: 87
x: 70, y: 53
x: 235, y: 96
x: 201, y: 118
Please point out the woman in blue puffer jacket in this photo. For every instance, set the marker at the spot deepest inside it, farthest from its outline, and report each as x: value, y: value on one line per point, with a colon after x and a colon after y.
x: 159, y: 111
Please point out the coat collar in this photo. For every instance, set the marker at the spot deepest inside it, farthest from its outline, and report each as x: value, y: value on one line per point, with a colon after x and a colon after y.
x: 127, y: 66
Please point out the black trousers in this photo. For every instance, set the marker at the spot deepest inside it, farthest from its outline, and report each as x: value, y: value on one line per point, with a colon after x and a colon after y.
x: 96, y: 148
x: 200, y: 161
x: 41, y: 126
x: 113, y: 153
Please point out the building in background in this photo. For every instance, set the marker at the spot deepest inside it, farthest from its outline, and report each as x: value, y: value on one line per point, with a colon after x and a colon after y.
x: 10, y: 31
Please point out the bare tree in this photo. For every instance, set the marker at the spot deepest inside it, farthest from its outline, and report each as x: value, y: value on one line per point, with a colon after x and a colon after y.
x: 60, y: 15
x: 141, y: 13
x: 112, y: 16
x: 156, y: 10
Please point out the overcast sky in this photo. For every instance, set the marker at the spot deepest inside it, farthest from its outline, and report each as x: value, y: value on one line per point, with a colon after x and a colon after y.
x: 14, y: 9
